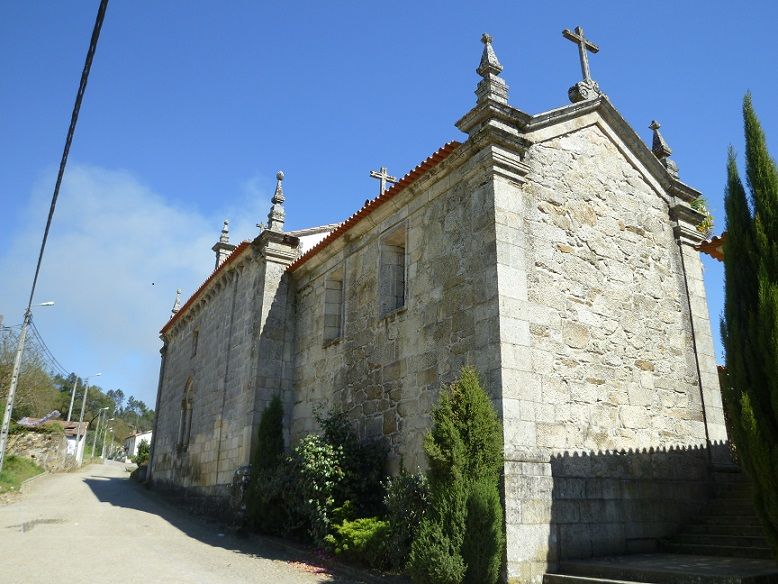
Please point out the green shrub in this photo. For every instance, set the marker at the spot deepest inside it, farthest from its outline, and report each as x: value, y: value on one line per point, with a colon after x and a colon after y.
x: 465, y: 454
x: 363, y: 464
x: 364, y: 541
x: 143, y: 453
x: 313, y: 473
x: 484, y: 539
x: 265, y: 505
x: 434, y: 557
x: 406, y: 500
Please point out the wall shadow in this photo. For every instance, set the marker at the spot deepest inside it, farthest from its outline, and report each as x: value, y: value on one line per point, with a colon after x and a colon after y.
x: 126, y: 493
x: 626, y: 501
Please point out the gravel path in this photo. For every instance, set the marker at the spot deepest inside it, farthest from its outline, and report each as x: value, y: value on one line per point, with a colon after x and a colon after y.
x: 99, y: 526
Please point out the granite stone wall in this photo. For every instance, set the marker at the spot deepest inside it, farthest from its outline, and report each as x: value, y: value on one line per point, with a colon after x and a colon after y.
x: 221, y: 374
x: 599, y: 369
x: 386, y: 371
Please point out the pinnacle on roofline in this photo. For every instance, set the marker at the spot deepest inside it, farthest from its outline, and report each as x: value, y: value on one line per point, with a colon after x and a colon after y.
x: 176, y: 304
x: 276, y: 216
x: 225, y: 236
x: 491, y: 87
x: 662, y: 150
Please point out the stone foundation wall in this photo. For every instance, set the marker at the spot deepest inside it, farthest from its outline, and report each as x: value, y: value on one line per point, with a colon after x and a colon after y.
x: 47, y: 450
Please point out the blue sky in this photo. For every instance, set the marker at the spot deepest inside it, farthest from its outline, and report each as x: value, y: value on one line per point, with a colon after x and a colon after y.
x: 193, y: 106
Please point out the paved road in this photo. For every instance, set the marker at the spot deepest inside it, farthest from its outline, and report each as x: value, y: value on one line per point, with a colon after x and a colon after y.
x: 97, y: 525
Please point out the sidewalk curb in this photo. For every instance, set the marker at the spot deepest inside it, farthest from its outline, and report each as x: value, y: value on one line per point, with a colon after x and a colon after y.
x: 37, y: 476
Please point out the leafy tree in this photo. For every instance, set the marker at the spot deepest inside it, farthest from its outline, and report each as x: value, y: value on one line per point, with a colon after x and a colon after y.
x: 750, y: 323
x: 461, y: 539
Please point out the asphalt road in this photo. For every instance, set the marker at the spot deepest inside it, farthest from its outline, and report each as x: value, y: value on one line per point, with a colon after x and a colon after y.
x: 97, y: 525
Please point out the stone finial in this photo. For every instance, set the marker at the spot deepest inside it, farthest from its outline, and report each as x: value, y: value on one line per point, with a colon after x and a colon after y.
x: 661, y: 149
x: 491, y: 87
x: 177, y: 303
x: 223, y: 247
x: 276, y: 215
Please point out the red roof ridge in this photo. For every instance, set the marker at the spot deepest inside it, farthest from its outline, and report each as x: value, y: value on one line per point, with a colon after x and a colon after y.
x: 372, y: 204
x: 232, y: 257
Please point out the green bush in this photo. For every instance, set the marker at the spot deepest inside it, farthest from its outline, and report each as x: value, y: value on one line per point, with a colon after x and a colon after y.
x: 406, y: 500
x: 484, y: 539
x: 364, y: 541
x: 465, y: 454
x: 143, y: 453
x: 265, y: 505
x: 434, y: 558
x: 363, y: 464
x: 313, y: 473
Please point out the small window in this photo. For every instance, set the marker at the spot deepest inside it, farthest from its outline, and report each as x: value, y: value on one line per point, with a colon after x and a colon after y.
x: 333, y: 306
x: 195, y: 339
x: 185, y: 419
x: 392, y: 271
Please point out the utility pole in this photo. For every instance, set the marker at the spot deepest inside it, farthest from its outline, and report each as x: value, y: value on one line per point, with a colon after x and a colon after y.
x: 72, y: 397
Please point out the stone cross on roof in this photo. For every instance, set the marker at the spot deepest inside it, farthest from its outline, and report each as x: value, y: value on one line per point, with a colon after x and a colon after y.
x: 588, y: 88
x: 383, y: 176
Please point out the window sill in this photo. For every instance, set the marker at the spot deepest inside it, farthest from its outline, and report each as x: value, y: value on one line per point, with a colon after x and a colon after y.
x: 332, y: 342
x: 392, y: 314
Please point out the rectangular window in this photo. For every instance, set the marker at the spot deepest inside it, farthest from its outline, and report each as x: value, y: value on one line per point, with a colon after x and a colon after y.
x: 392, y: 271
x: 333, y: 306
x: 195, y: 339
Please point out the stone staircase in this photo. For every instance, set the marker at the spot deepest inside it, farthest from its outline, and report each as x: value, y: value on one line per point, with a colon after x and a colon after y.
x: 725, y: 544
x: 728, y: 526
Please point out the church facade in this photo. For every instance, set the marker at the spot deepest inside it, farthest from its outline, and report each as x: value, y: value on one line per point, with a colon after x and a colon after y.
x: 553, y: 252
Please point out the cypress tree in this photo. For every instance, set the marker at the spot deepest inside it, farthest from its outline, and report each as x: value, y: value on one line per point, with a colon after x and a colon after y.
x: 264, y: 507
x: 462, y: 538
x: 750, y: 322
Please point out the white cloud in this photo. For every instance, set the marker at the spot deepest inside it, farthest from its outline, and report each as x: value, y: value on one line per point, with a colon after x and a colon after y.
x: 116, y: 254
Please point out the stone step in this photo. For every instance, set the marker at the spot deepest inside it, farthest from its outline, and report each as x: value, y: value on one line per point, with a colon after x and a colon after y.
x: 745, y: 529
x: 717, y: 519
x: 717, y: 550
x: 567, y: 579
x: 664, y: 568
x: 728, y: 508
x: 748, y: 541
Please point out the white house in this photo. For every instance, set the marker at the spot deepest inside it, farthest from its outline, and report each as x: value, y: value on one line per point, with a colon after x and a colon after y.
x: 132, y: 442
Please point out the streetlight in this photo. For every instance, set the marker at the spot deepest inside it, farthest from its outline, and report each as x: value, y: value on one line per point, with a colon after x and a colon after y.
x: 97, y: 429
x: 81, y: 417
x: 9, y: 406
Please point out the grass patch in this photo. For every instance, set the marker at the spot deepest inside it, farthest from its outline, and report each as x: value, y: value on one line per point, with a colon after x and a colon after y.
x: 16, y: 470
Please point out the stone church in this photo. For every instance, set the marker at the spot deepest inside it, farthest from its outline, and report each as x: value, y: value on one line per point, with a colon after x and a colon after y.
x: 555, y: 252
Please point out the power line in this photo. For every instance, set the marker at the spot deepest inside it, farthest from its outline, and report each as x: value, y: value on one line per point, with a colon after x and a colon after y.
x: 28, y: 312
x: 52, y: 358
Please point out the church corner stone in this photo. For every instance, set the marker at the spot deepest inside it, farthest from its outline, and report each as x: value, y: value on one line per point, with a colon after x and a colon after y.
x: 554, y: 253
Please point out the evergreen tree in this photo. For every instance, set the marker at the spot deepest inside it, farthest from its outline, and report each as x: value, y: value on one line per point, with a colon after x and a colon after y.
x: 462, y: 538
x: 264, y: 507
x: 750, y: 323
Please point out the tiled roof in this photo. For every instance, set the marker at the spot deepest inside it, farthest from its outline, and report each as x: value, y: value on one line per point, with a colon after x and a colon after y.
x: 231, y: 258
x: 714, y: 246
x: 372, y: 204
